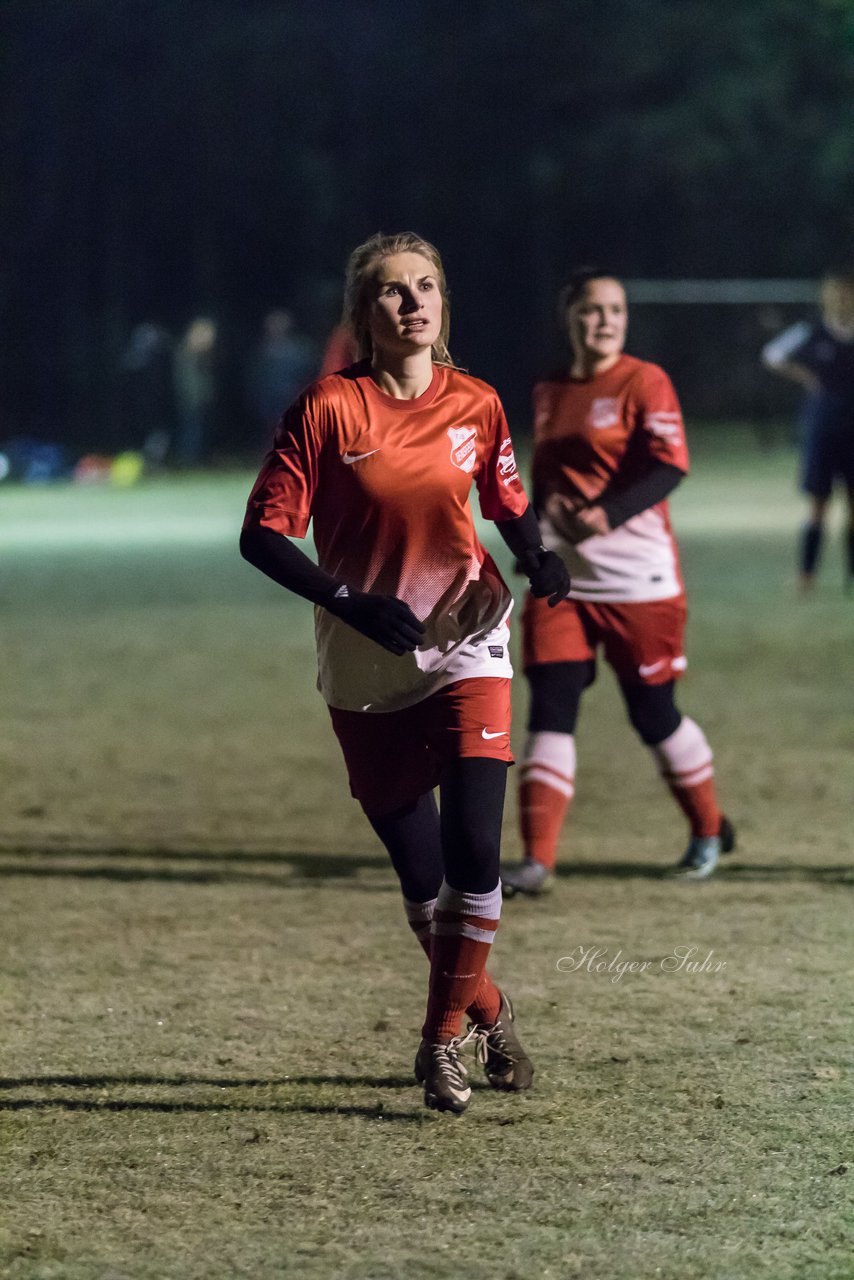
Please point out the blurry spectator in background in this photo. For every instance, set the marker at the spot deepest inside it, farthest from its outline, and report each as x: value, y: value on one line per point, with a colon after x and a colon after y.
x: 284, y: 363
x: 820, y: 358
x: 340, y: 351
x: 148, y: 392
x: 195, y: 390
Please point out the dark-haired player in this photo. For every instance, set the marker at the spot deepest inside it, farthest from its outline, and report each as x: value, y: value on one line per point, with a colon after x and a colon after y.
x: 411, y: 622
x: 820, y: 358
x: 609, y: 446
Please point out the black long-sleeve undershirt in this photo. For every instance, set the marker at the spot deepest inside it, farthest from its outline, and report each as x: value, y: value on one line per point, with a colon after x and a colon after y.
x: 283, y: 561
x: 653, y: 486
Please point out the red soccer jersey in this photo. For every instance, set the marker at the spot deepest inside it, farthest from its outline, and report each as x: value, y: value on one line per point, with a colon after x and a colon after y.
x: 386, y: 483
x: 590, y: 434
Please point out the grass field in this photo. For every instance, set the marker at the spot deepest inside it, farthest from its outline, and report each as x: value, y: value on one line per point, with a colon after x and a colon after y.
x: 210, y: 1001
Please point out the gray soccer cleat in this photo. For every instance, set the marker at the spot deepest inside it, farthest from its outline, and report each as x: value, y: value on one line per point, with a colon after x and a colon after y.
x: 703, y: 852
x: 528, y: 877
x: 439, y: 1069
x: 505, y: 1062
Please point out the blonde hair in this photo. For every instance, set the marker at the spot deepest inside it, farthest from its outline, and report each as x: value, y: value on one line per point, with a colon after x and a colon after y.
x: 361, y: 273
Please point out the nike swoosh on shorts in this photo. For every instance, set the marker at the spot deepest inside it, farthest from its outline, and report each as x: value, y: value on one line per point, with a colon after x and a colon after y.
x: 501, y: 734
x: 652, y: 668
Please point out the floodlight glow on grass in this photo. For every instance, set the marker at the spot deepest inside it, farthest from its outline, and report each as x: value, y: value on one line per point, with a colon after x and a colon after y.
x: 191, y: 511
x: 177, y: 530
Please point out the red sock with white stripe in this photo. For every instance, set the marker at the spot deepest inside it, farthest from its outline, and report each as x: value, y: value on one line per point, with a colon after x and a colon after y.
x: 685, y: 761
x: 463, y: 929
x: 486, y: 1005
x: 547, y: 785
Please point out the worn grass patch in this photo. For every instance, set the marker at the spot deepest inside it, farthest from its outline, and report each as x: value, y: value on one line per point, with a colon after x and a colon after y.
x: 210, y: 1001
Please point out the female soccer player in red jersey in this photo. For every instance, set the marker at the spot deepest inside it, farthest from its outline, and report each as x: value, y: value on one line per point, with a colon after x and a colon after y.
x: 609, y: 446
x: 411, y: 622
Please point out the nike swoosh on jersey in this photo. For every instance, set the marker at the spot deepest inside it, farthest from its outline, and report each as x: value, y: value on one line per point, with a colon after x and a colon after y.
x: 652, y: 668
x: 349, y: 458
x: 501, y: 734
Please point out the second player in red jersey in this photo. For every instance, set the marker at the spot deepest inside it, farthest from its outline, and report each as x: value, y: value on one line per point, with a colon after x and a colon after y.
x: 411, y: 622
x: 609, y: 446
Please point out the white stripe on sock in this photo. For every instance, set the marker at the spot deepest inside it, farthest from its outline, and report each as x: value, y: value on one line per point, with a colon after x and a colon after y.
x: 461, y: 928
x: 685, y: 752
x: 691, y: 779
x: 550, y: 778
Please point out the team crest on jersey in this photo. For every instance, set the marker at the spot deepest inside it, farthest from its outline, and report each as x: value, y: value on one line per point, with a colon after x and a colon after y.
x: 604, y: 412
x: 463, y: 447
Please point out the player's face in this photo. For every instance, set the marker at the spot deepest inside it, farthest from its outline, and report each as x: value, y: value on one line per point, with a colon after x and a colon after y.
x: 596, y: 321
x: 406, y: 310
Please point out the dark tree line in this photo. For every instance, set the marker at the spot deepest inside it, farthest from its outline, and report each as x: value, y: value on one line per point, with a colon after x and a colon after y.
x: 172, y: 157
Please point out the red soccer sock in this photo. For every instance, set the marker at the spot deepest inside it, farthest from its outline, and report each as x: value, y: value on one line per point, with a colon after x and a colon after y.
x: 685, y: 760
x: 486, y: 1005
x: 463, y: 929
x: 545, y: 793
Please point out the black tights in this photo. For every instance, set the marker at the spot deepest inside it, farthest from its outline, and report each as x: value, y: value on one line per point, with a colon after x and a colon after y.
x: 556, y: 689
x: 461, y: 843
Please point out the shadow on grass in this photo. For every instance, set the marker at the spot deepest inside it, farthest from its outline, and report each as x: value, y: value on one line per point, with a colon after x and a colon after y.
x: 209, y: 1082
x: 742, y: 872
x: 375, y: 1111
x: 842, y: 873
x: 240, y: 866
x: 378, y: 1112
x: 129, y: 867
x: 609, y: 871
x: 136, y: 865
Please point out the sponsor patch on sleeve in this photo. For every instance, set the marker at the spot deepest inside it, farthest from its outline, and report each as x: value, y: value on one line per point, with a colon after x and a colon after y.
x: 507, y: 462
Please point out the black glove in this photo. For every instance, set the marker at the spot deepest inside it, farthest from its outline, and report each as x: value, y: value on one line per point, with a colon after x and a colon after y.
x: 384, y: 619
x: 547, y: 574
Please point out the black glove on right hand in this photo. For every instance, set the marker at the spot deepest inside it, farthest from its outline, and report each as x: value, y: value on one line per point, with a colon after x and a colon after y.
x: 384, y: 619
x: 547, y: 574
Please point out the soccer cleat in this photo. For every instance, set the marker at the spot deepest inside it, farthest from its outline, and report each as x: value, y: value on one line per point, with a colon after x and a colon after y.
x: 528, y: 877
x: 726, y: 834
x: 439, y: 1069
x: 505, y: 1062
x: 701, y: 856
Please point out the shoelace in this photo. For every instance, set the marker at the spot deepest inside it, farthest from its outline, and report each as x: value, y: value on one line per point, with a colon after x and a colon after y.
x: 448, y: 1059
x: 488, y: 1039
x: 476, y: 1036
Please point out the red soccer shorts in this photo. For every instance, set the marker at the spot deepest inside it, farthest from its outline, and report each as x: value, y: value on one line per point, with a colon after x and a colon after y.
x: 642, y: 640
x: 393, y: 757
